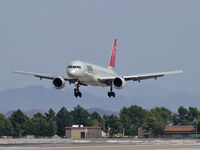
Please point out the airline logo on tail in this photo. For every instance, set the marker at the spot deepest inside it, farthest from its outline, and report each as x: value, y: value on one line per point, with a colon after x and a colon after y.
x: 112, y: 59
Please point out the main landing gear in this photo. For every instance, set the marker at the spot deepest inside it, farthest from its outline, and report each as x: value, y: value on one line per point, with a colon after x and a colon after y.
x: 76, y: 90
x: 111, y: 93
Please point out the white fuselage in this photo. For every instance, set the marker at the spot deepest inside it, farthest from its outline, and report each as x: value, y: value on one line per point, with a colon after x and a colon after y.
x: 88, y: 74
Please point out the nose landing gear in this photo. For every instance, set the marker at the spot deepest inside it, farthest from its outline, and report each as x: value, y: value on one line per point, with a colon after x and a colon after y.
x: 76, y: 90
x: 111, y: 93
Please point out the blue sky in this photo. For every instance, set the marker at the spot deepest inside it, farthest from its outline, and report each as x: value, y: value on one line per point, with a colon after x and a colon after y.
x: 153, y: 36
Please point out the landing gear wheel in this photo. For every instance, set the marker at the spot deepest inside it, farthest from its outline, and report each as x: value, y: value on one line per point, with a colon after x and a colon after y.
x: 111, y: 93
x: 77, y: 93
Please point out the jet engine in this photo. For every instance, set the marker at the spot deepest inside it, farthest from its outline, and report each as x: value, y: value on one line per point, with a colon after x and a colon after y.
x: 59, y: 83
x: 119, y: 83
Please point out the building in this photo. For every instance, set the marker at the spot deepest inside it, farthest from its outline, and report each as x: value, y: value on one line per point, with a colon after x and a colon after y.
x: 80, y: 131
x: 173, y: 132
x: 177, y: 132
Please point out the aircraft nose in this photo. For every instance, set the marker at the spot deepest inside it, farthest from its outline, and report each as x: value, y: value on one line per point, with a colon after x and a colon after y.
x: 70, y: 72
x: 73, y: 73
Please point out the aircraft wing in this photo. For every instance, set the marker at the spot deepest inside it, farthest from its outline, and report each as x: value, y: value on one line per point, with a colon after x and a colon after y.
x: 149, y: 75
x: 140, y: 77
x: 45, y: 76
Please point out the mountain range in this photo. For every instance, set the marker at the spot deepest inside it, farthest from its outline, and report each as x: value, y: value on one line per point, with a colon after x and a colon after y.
x: 146, y: 95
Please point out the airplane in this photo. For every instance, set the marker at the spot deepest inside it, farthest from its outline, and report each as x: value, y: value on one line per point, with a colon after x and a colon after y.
x: 83, y: 74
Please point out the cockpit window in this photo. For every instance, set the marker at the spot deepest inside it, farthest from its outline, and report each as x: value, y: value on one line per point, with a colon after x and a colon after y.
x: 70, y: 66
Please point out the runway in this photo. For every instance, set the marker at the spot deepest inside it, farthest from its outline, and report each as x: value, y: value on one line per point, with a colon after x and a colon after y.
x: 98, y: 147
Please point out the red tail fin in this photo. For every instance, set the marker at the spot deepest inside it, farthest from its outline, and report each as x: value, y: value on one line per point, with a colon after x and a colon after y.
x: 112, y: 59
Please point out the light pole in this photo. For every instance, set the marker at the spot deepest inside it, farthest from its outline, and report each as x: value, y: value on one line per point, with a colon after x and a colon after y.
x: 196, y: 129
x: 196, y: 126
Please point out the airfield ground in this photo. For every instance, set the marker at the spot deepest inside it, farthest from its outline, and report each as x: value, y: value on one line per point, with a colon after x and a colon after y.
x: 101, y: 144
x: 99, y: 147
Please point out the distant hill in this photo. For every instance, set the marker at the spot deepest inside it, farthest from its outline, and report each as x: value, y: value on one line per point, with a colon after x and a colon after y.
x: 102, y: 112
x: 145, y: 95
x: 32, y: 112
x: 29, y: 113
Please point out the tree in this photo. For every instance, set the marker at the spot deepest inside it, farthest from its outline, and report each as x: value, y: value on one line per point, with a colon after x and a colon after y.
x: 131, y: 118
x: 125, y: 120
x: 94, y: 122
x: 197, y: 122
x: 36, y: 126
x: 39, y: 115
x: 51, y: 120
x: 51, y: 115
x: 52, y: 128
x: 95, y: 116
x: 175, y: 119
x: 183, y: 114
x: 6, y: 128
x: 30, y: 127
x: 193, y: 114
x: 186, y: 116
x: 63, y: 119
x: 112, y: 125
x: 18, y: 120
x: 40, y: 127
x: 80, y: 116
x: 95, y: 119
x: 165, y: 114
x: 153, y: 122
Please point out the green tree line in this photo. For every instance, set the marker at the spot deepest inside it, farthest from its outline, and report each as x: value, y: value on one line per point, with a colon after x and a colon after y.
x: 128, y: 121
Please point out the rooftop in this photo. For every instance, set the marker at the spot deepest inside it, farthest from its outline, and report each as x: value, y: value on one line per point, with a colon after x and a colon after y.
x: 179, y: 129
x: 84, y: 127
